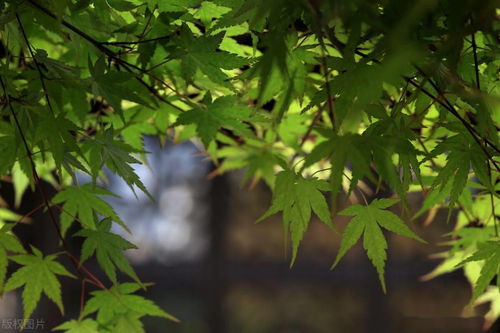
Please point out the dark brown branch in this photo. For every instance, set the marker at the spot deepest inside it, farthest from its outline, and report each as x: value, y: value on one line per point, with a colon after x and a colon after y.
x: 79, y: 268
x: 443, y: 101
x: 473, y: 132
x: 329, y: 96
x: 476, y: 63
x: 319, y: 29
x: 492, y: 203
x: 309, y: 130
x: 125, y: 64
x: 136, y: 42
x: 37, y: 65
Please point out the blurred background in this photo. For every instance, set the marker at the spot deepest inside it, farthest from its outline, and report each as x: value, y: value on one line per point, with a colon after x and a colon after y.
x: 218, y: 271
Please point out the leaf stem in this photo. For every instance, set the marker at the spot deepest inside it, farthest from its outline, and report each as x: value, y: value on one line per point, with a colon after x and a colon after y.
x: 82, y: 299
x: 360, y: 190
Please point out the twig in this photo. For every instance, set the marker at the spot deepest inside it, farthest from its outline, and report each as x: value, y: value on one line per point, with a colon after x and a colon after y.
x: 446, y: 104
x: 125, y: 64
x: 157, y: 65
x: 474, y: 52
x: 28, y: 214
x: 37, y: 65
x: 360, y: 190
x: 320, y: 170
x: 475, y: 135
x: 79, y: 268
x: 326, y: 74
x: 493, y: 204
x: 82, y: 299
x: 309, y: 129
x: 136, y: 42
x: 435, y: 166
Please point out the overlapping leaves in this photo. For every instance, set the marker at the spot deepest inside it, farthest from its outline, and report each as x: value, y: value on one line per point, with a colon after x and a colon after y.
x: 82, y: 203
x: 357, y: 67
x: 297, y: 197
x: 201, y: 53
x: 106, y: 150
x: 489, y: 253
x: 120, y: 301
x: 224, y: 112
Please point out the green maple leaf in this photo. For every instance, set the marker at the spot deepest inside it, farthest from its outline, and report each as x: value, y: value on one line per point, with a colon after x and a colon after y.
x: 77, y: 326
x: 56, y: 131
x: 241, y: 12
x: 119, y: 301
x: 173, y: 5
x: 368, y: 221
x: 38, y: 275
x: 259, y: 162
x: 8, y: 147
x: 130, y: 323
x: 223, y: 112
x: 464, y: 242
x: 490, y: 253
x: 116, y: 86
x: 452, y: 178
x: 108, y: 248
x: 202, y: 53
x: 8, y: 242
x: 8, y: 215
x: 116, y: 156
x: 82, y: 202
x: 340, y: 149
x: 297, y: 197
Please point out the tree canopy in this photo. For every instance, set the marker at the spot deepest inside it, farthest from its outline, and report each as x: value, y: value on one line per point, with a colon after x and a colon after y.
x: 309, y: 96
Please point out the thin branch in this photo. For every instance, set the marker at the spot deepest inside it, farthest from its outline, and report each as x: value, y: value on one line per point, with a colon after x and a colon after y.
x: 473, y: 132
x: 309, y: 130
x: 441, y: 99
x: 82, y: 299
x: 157, y: 65
x: 326, y: 74
x: 476, y: 63
x: 79, y: 268
x: 449, y: 106
x: 125, y: 64
x: 446, y: 104
x: 136, y: 42
x: 493, y: 204
x: 320, y: 170
x: 360, y: 190
x: 37, y: 65
x: 435, y: 166
x: 28, y: 214
x: 141, y: 36
x: 494, y: 214
x: 313, y: 123
x: 146, y: 26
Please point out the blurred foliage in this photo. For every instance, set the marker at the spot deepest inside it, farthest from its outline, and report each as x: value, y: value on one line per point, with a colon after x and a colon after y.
x: 307, y: 95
